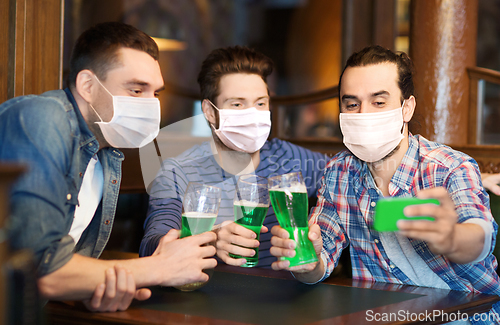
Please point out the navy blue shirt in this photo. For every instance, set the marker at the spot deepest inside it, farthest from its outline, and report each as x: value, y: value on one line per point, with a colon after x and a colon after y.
x: 199, y: 165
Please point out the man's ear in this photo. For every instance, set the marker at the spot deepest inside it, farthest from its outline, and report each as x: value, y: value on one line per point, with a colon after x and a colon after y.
x: 84, y: 83
x: 208, y: 111
x: 409, y: 108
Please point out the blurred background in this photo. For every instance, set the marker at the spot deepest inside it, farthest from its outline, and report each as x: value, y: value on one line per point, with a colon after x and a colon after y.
x: 304, y: 38
x: 453, y: 43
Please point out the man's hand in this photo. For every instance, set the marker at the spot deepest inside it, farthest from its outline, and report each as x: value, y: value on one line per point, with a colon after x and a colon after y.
x: 183, y: 260
x: 236, y: 239
x: 282, y: 246
x: 490, y: 182
x: 461, y: 243
x: 117, y: 292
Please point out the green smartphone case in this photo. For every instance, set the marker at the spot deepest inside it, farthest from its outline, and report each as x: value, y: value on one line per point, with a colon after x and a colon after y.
x: 389, y: 210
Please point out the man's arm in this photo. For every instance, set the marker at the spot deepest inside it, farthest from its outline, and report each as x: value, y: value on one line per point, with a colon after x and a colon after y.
x: 117, y: 292
x: 163, y: 216
x: 464, y: 230
x: 165, y: 205
x: 175, y: 262
x: 490, y: 182
x: 460, y: 243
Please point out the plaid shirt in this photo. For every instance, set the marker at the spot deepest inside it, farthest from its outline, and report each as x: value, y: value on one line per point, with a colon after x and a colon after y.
x: 347, y: 200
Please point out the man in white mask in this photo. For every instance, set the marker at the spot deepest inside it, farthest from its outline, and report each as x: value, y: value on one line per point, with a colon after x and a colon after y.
x: 63, y: 207
x: 385, y: 160
x: 233, y: 84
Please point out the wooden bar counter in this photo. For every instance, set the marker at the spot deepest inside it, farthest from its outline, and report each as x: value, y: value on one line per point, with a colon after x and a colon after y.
x: 259, y: 296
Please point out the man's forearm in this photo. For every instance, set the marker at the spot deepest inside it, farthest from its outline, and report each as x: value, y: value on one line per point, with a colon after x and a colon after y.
x: 78, y: 278
x: 468, y: 243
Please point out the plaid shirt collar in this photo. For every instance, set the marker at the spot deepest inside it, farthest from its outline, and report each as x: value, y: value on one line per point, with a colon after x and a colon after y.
x: 403, y: 178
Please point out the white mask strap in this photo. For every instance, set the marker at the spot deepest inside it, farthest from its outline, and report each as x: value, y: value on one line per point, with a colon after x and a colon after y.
x: 213, y: 104
x: 103, y: 86
x: 95, y: 112
x: 402, y: 112
x: 213, y: 127
x: 106, y: 91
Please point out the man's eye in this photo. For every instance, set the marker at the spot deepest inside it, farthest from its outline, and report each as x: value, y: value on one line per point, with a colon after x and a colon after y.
x: 157, y: 94
x: 262, y: 104
x: 379, y: 103
x: 351, y: 106
x: 136, y: 91
x: 236, y: 104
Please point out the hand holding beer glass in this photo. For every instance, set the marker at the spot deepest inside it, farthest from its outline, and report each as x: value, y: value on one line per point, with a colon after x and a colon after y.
x: 200, y: 208
x: 251, y: 202
x: 289, y: 199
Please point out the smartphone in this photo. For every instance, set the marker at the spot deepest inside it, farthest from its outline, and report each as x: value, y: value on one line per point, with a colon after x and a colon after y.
x: 388, y: 211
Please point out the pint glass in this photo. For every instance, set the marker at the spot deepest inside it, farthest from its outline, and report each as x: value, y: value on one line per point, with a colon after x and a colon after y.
x: 289, y: 200
x: 251, y: 202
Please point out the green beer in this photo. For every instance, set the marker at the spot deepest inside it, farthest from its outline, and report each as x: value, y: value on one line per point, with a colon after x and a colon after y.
x: 194, y: 223
x: 250, y: 216
x: 291, y: 208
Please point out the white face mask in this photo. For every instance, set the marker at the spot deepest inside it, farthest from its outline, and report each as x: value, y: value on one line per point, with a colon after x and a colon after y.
x: 135, y: 122
x: 244, y: 130
x: 372, y: 136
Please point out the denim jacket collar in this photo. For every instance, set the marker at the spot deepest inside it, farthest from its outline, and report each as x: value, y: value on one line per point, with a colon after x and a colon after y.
x: 86, y: 135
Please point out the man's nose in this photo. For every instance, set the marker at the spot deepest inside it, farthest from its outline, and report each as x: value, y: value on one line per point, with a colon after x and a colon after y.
x: 363, y: 108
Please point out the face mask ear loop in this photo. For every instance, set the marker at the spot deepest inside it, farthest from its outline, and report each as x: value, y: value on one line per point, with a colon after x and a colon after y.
x: 102, y: 85
x: 402, y: 112
x: 106, y: 91
x: 213, y: 105
x: 95, y: 112
x: 218, y: 110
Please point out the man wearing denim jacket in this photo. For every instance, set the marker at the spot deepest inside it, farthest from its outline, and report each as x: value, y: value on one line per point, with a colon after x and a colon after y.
x: 63, y: 207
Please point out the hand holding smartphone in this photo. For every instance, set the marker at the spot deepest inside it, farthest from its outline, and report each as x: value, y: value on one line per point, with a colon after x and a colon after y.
x: 389, y: 210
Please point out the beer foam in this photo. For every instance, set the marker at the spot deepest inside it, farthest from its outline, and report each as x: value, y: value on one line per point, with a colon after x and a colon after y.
x: 294, y: 188
x: 250, y: 204
x: 194, y: 214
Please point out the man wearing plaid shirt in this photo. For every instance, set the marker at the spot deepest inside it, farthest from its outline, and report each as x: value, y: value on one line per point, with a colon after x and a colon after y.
x: 385, y: 160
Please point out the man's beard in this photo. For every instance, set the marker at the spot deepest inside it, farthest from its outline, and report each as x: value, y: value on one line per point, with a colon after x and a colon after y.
x: 389, y: 155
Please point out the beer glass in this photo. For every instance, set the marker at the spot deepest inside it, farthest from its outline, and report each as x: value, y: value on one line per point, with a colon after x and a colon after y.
x: 289, y: 199
x: 201, y: 204
x: 200, y: 207
x: 251, y: 202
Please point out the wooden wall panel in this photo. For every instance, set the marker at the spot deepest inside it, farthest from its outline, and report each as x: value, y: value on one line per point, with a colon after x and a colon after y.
x: 4, y: 48
x: 30, y: 63
x: 367, y: 22
x: 31, y: 50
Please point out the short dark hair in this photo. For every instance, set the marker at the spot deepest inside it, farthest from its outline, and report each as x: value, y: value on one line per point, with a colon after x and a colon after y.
x: 96, y: 48
x: 228, y: 60
x: 377, y: 54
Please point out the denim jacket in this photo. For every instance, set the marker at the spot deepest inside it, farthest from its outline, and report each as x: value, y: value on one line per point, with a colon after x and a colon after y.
x: 47, y: 133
